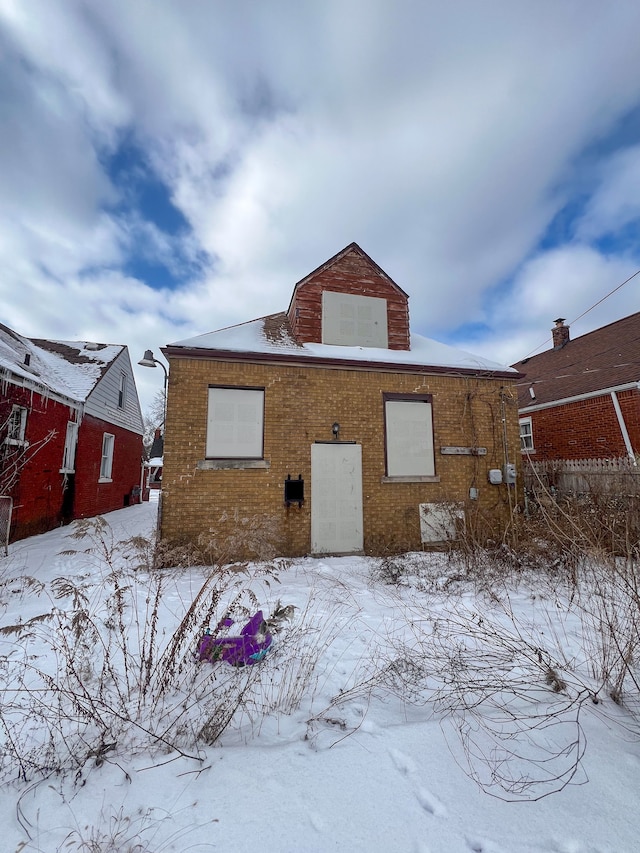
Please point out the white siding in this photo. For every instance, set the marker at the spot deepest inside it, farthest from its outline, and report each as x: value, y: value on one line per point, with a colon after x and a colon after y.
x: 102, y: 403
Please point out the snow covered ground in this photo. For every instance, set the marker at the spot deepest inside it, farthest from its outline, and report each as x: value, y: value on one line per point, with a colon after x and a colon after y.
x: 349, y: 756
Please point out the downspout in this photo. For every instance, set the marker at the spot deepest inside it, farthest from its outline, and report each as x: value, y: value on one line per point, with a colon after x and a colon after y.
x: 623, y: 427
x: 505, y: 444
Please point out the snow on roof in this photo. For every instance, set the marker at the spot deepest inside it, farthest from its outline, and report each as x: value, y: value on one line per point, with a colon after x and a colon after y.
x: 273, y: 335
x: 70, y: 369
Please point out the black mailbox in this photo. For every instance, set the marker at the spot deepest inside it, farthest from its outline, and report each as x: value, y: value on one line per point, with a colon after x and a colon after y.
x: 293, y: 491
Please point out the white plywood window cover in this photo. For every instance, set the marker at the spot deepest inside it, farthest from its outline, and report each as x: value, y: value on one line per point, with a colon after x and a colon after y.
x: 441, y: 522
x: 235, y: 423
x: 409, y: 425
x: 351, y: 320
x: 71, y: 440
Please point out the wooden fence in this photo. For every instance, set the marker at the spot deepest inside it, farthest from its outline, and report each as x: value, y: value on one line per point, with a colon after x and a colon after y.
x: 581, y: 476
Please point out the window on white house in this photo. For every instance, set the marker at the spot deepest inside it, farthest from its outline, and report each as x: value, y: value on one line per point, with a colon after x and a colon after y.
x: 17, y: 426
x: 409, y: 436
x: 106, y: 463
x: 350, y: 320
x: 235, y: 423
x: 526, y: 435
x: 122, y: 391
x: 69, y: 455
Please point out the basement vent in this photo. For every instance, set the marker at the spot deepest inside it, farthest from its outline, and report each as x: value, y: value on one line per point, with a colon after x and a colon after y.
x: 441, y: 522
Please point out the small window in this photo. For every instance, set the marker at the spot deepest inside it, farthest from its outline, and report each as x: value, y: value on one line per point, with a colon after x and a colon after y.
x: 235, y: 423
x: 17, y: 425
x: 122, y: 391
x: 69, y: 455
x: 526, y: 435
x: 106, y: 463
x: 409, y: 436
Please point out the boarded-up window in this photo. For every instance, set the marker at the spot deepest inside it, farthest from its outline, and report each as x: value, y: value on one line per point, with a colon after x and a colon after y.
x: 350, y: 320
x: 409, y: 437
x: 235, y: 423
x: 71, y: 439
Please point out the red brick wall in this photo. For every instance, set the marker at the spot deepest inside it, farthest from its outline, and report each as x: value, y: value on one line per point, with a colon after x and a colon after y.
x: 587, y: 429
x: 350, y: 274
x: 93, y: 497
x: 38, y: 495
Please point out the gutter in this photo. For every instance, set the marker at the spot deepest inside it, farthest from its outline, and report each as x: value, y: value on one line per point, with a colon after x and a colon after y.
x: 602, y: 392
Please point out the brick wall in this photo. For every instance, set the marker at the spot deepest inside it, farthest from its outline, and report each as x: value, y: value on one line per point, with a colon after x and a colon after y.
x: 352, y: 273
x: 301, y: 404
x: 91, y: 496
x: 586, y: 429
x: 42, y: 498
x: 38, y: 496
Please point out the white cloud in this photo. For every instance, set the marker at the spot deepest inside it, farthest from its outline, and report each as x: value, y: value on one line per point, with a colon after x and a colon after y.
x: 443, y: 138
x: 563, y: 282
x: 616, y: 202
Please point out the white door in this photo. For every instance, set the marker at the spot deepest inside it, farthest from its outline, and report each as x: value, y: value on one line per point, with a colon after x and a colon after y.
x: 336, y: 498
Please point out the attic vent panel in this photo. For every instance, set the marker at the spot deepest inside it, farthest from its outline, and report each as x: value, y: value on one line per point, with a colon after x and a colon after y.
x: 351, y: 320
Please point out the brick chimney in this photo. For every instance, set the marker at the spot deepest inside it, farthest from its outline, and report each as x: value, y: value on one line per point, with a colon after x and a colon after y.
x: 560, y: 333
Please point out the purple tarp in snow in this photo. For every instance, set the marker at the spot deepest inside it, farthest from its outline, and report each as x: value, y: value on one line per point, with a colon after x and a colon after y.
x: 247, y: 648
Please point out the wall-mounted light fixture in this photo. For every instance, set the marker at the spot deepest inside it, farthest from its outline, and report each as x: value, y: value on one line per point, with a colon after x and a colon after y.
x: 148, y: 360
x: 335, y: 429
x: 532, y: 393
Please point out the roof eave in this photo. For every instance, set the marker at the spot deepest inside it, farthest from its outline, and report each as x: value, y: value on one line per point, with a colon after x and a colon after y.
x: 292, y: 360
x: 38, y: 387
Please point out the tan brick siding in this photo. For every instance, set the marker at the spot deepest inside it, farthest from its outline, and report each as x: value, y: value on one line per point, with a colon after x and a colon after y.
x: 301, y: 404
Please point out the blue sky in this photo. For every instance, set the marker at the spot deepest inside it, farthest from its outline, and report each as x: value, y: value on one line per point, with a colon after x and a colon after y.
x: 169, y: 168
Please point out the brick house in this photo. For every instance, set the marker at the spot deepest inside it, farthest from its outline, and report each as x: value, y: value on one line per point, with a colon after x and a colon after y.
x: 328, y: 428
x: 70, y: 431
x: 580, y: 399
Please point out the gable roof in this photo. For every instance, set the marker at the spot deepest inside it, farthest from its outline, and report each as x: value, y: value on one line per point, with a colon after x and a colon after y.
x: 271, y: 339
x: 602, y: 360
x: 69, y: 370
x: 352, y: 247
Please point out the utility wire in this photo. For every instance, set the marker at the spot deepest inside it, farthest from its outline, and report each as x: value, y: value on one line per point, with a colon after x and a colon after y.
x: 637, y: 272
x: 584, y: 313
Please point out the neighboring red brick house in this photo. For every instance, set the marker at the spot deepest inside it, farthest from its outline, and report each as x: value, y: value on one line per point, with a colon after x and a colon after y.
x: 580, y: 399
x: 70, y: 430
x: 330, y: 429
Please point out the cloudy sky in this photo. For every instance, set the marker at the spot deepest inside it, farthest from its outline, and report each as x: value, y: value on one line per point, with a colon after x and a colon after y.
x: 170, y: 167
